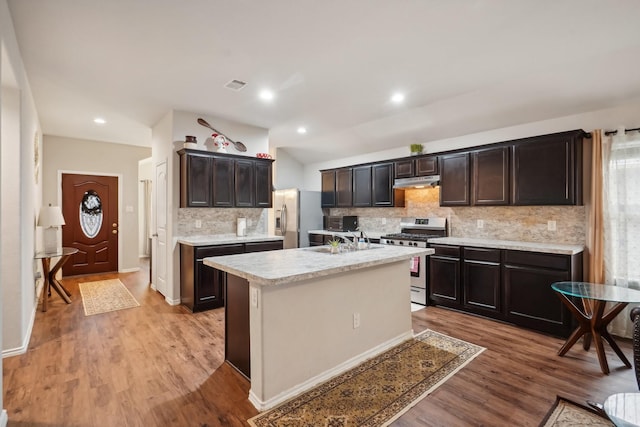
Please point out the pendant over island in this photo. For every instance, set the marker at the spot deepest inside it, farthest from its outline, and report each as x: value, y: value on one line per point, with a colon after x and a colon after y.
x: 297, y: 317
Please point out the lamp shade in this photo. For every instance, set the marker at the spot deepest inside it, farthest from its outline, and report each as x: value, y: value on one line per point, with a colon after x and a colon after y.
x: 50, y: 216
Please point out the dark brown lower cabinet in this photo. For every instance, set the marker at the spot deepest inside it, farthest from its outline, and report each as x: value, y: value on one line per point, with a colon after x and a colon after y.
x: 237, y: 348
x: 444, y: 276
x: 513, y: 286
x: 529, y: 299
x: 482, y: 281
x: 203, y: 287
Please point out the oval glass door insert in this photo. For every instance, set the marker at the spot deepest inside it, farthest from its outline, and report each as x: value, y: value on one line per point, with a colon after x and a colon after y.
x: 91, y: 214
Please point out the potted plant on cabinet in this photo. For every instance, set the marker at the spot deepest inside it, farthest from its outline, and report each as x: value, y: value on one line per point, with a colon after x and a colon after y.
x: 415, y: 149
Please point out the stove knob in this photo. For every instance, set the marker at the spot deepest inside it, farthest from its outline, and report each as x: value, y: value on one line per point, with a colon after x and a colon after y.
x: 402, y: 243
x: 415, y: 244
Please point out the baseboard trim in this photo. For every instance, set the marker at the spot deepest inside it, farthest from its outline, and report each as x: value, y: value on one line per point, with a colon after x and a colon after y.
x: 4, y: 418
x: 129, y: 270
x: 326, y: 375
x: 172, y: 301
x: 27, y: 338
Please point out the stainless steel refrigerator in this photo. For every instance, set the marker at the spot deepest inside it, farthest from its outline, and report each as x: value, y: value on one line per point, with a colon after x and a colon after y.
x: 296, y: 212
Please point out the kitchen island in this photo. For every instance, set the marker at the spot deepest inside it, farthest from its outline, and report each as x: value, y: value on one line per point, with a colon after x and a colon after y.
x: 312, y: 314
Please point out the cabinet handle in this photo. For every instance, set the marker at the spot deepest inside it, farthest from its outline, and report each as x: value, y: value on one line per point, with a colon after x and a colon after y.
x: 283, y: 219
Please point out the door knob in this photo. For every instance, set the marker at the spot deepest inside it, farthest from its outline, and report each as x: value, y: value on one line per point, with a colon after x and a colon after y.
x: 114, y: 231
x: 114, y: 224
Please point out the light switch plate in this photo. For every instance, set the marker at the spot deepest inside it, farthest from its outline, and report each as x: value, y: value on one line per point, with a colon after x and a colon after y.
x: 480, y: 223
x: 254, y: 297
x: 198, y: 223
x: 551, y: 225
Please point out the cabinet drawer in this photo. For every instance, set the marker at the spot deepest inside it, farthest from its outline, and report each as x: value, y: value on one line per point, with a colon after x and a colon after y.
x: 316, y: 238
x: 218, y: 250
x: 551, y: 261
x: 450, y: 251
x: 481, y: 254
x: 263, y: 246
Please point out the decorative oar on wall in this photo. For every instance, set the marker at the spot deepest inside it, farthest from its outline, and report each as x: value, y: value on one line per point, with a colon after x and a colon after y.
x: 237, y: 144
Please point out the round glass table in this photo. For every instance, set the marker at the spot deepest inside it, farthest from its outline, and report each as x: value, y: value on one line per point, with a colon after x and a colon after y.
x: 49, y: 274
x: 623, y: 409
x: 592, y: 318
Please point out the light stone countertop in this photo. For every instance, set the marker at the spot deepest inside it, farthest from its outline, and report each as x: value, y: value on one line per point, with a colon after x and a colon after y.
x: 550, y: 248
x: 370, y: 234
x: 293, y: 265
x: 225, y: 239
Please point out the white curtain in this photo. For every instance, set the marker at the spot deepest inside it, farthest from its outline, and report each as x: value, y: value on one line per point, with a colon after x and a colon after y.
x: 621, y: 208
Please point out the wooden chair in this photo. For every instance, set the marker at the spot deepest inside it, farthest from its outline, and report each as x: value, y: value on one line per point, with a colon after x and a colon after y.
x: 635, y: 318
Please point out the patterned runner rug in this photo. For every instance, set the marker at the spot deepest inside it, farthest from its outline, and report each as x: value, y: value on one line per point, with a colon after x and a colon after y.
x: 565, y: 413
x: 105, y: 295
x: 380, y: 389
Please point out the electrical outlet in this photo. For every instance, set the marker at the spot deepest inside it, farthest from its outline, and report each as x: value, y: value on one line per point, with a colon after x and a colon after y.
x: 480, y: 223
x: 384, y: 221
x: 356, y: 320
x: 551, y: 225
x: 198, y: 223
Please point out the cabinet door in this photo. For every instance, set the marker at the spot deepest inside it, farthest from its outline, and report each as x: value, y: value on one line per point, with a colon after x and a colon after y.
x: 344, y: 192
x: 454, y: 180
x: 263, y: 184
x: 382, y: 178
x: 427, y: 165
x: 223, y: 186
x: 362, y: 186
x: 328, y: 196
x: 481, y: 290
x: 490, y: 176
x: 444, y: 276
x: 404, y: 168
x: 195, y: 181
x: 544, y: 172
x: 209, y: 282
x: 245, y: 183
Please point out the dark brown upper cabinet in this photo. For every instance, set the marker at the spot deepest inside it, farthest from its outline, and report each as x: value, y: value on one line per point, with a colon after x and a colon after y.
x: 223, y: 186
x: 245, y: 183
x: 263, y: 186
x: 195, y: 181
x: 426, y: 165
x: 362, y: 186
x: 383, y: 193
x: 490, y: 176
x: 454, y: 179
x: 224, y: 180
x: 328, y: 195
x: 405, y: 168
x: 344, y: 190
x: 547, y: 170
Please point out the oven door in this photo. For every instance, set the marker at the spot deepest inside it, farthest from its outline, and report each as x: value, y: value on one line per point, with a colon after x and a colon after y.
x: 418, y: 269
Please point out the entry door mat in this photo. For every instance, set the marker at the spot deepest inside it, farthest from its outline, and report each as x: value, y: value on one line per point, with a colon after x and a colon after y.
x: 380, y: 389
x: 565, y: 413
x: 103, y: 296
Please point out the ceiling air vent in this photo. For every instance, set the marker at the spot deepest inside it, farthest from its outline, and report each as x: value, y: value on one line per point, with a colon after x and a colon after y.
x: 235, y: 84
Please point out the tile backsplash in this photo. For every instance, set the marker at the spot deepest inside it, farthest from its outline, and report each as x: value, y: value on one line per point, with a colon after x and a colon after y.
x: 522, y: 223
x: 220, y: 220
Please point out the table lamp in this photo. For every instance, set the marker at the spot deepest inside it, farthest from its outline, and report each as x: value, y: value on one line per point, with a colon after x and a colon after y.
x: 50, y: 219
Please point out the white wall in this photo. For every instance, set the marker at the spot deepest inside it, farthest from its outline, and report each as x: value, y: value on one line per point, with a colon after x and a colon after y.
x: 25, y: 134
x: 627, y: 114
x: 287, y: 171
x: 167, y: 138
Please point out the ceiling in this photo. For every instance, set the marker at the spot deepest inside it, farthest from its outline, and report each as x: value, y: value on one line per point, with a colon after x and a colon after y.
x: 465, y: 66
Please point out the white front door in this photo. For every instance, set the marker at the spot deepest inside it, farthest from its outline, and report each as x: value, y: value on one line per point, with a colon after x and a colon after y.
x: 159, y: 266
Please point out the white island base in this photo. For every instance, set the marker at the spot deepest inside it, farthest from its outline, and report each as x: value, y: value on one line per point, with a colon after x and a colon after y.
x: 307, y: 330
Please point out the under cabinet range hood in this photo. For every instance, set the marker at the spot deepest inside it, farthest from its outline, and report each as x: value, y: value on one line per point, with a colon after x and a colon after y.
x: 417, y: 182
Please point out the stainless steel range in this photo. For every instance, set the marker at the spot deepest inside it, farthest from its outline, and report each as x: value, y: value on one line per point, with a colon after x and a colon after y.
x: 415, y: 232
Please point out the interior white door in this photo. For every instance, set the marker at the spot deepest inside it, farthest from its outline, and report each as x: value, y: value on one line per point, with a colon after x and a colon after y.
x: 159, y: 262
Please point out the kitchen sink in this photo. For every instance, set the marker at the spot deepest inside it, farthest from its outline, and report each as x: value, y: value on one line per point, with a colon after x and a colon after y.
x: 343, y: 250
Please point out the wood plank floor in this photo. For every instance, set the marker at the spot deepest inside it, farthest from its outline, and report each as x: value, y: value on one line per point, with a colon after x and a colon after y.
x: 158, y: 365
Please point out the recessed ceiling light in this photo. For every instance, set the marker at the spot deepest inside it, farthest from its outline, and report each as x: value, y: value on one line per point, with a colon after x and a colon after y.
x: 302, y: 129
x: 99, y: 121
x: 266, y: 95
x: 397, y: 97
